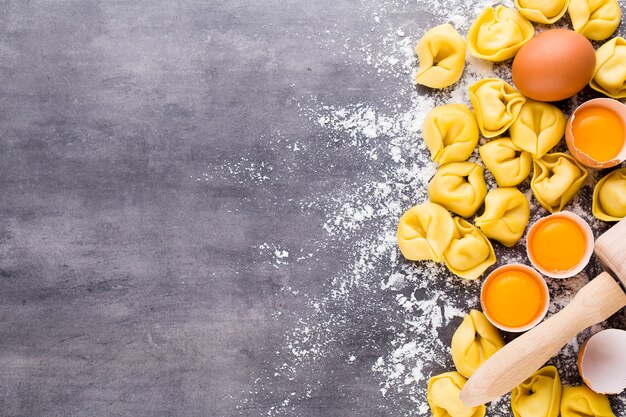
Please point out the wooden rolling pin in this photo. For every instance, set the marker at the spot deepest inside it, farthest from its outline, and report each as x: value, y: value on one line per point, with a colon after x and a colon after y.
x: 598, y: 300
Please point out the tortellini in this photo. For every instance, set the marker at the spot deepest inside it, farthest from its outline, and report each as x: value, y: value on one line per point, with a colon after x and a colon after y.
x: 444, y: 397
x: 451, y: 133
x: 458, y: 186
x: 496, y: 104
x: 497, y: 35
x: 609, y: 197
x: 441, y: 54
x: 557, y: 177
x: 475, y: 340
x: 506, y: 215
x: 609, y: 76
x: 470, y: 253
x: 595, y: 19
x: 542, y: 11
x: 539, y: 395
x: 583, y: 402
x: 424, y: 232
x: 509, y: 164
x: 538, y: 128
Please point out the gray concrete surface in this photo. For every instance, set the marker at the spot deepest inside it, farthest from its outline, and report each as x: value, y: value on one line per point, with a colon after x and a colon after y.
x: 127, y: 288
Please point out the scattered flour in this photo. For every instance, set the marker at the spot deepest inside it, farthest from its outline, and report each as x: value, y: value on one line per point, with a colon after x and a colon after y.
x: 279, y: 255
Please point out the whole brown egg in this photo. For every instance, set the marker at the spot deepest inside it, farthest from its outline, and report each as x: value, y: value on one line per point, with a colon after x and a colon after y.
x: 554, y: 65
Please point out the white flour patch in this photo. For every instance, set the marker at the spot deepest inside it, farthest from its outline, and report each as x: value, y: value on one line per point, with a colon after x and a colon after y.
x: 415, y: 305
x: 279, y: 255
x: 244, y: 171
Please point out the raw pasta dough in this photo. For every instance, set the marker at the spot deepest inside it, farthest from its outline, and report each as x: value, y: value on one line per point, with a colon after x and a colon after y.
x: 508, y: 163
x: 557, y: 177
x: 458, y: 186
x: 496, y: 105
x: 609, y: 196
x: 497, y: 34
x: 506, y: 215
x: 583, y: 402
x: 542, y: 11
x: 451, y: 133
x: 444, y: 397
x: 609, y: 77
x: 424, y: 232
x: 539, y: 395
x: 595, y: 19
x: 441, y: 54
x: 475, y: 340
x: 538, y: 128
x: 470, y: 253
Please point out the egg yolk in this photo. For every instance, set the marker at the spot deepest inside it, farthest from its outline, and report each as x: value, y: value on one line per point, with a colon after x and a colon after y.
x: 598, y: 132
x: 514, y: 298
x: 558, y: 244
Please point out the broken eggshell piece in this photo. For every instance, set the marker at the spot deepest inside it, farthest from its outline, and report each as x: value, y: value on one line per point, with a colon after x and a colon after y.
x: 603, y: 103
x: 602, y: 361
x: 554, y: 234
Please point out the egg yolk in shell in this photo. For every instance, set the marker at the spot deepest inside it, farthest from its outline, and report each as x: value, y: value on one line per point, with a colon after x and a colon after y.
x: 514, y: 297
x: 598, y: 132
x: 558, y: 244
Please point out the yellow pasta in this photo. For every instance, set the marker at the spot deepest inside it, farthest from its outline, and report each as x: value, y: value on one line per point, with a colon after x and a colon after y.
x: 451, y: 133
x: 509, y: 164
x: 609, y: 197
x: 583, y: 402
x: 424, y: 232
x: 595, y: 19
x: 497, y: 34
x: 557, y: 177
x: 458, y: 186
x: 538, y: 128
x: 506, y: 215
x: 470, y: 253
x: 539, y: 395
x: 444, y: 397
x: 542, y: 11
x: 609, y: 76
x: 496, y: 105
x: 441, y: 54
x: 473, y: 342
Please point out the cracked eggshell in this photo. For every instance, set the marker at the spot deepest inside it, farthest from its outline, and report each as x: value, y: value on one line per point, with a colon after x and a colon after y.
x: 584, y: 228
x: 608, y: 103
x: 602, y: 361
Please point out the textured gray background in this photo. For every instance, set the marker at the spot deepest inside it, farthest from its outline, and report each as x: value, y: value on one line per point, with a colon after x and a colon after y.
x: 127, y: 287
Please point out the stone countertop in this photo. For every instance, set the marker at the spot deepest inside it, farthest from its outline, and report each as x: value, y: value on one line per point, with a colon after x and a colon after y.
x: 184, y: 193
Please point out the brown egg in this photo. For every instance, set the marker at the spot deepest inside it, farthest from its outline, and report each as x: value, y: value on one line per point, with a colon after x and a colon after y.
x: 554, y: 65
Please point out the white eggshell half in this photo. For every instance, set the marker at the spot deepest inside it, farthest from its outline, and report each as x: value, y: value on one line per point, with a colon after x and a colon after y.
x: 602, y: 361
x: 584, y: 227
